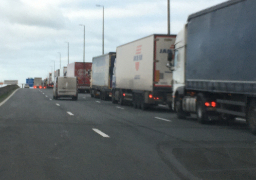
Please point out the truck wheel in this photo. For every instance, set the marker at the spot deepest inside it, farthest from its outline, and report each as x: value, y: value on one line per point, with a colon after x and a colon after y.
x: 143, y: 106
x: 180, y: 113
x: 121, y: 100
x: 202, y: 116
x: 134, y: 104
x: 113, y: 98
x: 251, y: 116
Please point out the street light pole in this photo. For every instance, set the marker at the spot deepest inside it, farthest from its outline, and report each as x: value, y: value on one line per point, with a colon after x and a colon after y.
x: 60, y: 59
x: 102, y: 28
x: 84, y: 42
x: 168, y: 17
x: 68, y: 52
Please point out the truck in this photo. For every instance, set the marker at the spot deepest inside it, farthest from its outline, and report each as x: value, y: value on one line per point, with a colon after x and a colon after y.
x: 50, y: 82
x: 56, y: 73
x: 38, y: 82
x: 81, y: 70
x: 141, y: 76
x: 214, y: 64
x: 101, y: 75
x: 30, y: 82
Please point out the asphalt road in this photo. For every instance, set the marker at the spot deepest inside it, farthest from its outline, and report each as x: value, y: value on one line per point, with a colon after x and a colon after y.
x: 42, y: 138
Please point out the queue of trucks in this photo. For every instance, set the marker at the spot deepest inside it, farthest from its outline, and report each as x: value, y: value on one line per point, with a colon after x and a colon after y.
x: 207, y: 69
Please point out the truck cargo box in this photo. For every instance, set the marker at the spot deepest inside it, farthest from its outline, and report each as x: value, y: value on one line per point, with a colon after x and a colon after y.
x: 141, y: 64
x: 221, y: 48
x: 80, y: 70
x: 102, y: 68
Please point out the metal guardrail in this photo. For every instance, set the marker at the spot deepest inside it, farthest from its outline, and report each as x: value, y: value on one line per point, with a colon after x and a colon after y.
x: 6, y: 89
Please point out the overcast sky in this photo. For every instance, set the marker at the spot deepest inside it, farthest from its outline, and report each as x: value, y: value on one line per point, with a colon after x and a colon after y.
x: 32, y: 32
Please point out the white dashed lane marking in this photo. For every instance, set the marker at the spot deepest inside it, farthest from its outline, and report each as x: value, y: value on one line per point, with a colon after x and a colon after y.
x: 163, y: 119
x: 97, y: 101
x: 57, y: 105
x: 70, y: 113
x: 100, y: 133
x: 119, y: 107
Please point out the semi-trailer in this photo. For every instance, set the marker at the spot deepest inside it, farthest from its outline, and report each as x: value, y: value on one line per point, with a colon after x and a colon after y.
x: 37, y: 82
x: 101, y: 75
x: 141, y: 76
x: 81, y: 70
x: 214, y: 66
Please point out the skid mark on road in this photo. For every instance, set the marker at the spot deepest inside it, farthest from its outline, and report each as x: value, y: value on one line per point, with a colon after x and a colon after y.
x: 101, y: 133
x: 163, y: 119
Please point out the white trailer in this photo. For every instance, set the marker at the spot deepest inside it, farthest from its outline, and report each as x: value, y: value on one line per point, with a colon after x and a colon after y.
x: 101, y: 76
x: 37, y: 82
x: 141, y: 75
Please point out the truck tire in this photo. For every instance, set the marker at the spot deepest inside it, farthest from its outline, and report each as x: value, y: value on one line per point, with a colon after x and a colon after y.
x: 113, y: 98
x: 143, y: 106
x: 201, y: 113
x: 251, y: 116
x: 121, y: 100
x: 180, y: 113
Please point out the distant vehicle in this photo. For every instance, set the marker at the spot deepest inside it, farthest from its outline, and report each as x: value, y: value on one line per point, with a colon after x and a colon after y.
x: 82, y: 72
x: 101, y: 75
x: 38, y: 82
x: 140, y: 73
x: 214, y: 65
x: 26, y: 86
x: 65, y: 87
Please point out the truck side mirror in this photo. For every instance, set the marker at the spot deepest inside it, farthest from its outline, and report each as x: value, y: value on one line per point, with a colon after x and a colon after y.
x: 170, y: 55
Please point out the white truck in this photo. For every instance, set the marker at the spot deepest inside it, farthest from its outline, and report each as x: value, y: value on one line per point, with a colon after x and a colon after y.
x: 141, y: 76
x: 101, y: 75
x: 38, y: 82
x: 214, y: 65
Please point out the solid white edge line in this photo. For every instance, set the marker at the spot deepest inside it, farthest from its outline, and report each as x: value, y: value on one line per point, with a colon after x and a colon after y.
x: 2, y: 103
x: 163, y: 119
x: 100, y: 133
x: 70, y: 113
x: 119, y: 107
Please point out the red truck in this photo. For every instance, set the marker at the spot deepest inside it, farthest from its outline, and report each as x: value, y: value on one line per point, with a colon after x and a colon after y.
x: 81, y: 70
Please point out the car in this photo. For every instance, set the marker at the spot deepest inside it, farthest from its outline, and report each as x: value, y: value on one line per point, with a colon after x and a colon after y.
x: 26, y: 86
x: 65, y: 87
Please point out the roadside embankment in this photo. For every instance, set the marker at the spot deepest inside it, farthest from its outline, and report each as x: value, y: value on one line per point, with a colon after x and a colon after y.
x: 6, y: 91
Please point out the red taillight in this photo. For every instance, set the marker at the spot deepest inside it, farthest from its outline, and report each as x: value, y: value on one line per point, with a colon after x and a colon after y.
x: 35, y: 87
x: 123, y: 94
x: 150, y: 96
x: 40, y: 87
x: 207, y: 104
x: 44, y: 87
x: 213, y: 104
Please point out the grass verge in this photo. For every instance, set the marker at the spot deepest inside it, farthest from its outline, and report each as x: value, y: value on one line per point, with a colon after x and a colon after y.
x: 6, y: 95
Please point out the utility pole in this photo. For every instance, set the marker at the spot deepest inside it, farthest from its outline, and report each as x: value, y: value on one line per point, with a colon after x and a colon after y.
x: 169, y: 17
x: 68, y: 52
x: 84, y: 42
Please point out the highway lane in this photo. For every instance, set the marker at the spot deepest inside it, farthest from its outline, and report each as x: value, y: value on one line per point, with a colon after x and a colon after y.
x: 100, y: 140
